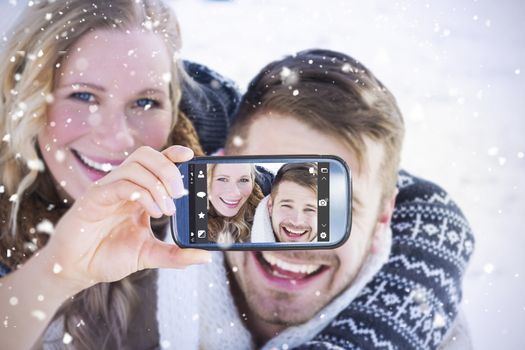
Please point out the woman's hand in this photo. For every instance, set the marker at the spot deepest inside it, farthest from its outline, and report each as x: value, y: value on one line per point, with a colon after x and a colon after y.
x: 106, y: 235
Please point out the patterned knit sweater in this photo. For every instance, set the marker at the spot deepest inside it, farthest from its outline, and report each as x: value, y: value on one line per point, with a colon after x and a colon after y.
x: 413, y: 300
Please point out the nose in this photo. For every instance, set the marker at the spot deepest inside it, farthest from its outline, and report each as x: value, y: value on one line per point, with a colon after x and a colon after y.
x: 295, y: 217
x: 234, y: 190
x: 114, y: 133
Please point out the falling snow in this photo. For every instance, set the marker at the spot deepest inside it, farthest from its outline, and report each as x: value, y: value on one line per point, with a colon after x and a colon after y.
x: 57, y: 268
x: 67, y: 338
x: 45, y: 226
x: 38, y: 314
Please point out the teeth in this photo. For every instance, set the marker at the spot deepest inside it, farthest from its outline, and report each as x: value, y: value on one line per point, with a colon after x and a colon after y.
x: 297, y: 268
x: 230, y: 202
x: 294, y: 232
x: 104, y: 167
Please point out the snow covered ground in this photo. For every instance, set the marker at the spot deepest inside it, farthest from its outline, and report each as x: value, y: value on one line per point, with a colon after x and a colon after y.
x: 457, y: 69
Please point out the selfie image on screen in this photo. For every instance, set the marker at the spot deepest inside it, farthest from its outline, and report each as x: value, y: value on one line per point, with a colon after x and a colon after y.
x: 260, y: 202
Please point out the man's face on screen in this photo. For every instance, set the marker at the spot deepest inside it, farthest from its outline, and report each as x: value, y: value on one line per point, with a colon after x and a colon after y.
x: 293, y: 212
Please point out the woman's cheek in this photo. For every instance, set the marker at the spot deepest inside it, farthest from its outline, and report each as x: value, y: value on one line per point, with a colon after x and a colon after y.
x: 66, y: 123
x: 152, y: 129
x: 246, y: 189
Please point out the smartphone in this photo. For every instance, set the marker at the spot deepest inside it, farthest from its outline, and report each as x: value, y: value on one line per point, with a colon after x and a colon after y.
x: 264, y: 203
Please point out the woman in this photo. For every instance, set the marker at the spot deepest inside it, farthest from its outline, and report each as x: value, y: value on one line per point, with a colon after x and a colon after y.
x: 233, y: 196
x: 89, y: 114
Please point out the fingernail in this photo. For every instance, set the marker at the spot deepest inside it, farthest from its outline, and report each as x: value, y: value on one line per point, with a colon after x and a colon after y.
x: 170, y: 206
x: 177, y: 187
x: 156, y: 209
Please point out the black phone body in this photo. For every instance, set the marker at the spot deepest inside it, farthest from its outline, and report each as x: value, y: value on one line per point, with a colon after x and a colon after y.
x: 217, y: 203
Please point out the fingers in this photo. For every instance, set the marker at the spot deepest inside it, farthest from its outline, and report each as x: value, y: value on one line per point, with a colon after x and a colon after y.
x: 155, y: 172
x: 118, y: 191
x: 158, y: 254
x: 135, y: 173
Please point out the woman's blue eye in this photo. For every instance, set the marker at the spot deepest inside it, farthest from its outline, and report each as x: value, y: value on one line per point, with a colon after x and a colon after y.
x: 146, y: 103
x: 83, y: 96
x: 245, y: 180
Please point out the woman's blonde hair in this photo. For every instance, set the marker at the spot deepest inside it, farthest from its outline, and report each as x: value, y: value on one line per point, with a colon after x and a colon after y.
x: 40, y: 40
x: 237, y: 228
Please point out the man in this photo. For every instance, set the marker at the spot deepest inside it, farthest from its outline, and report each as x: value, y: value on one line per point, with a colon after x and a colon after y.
x: 289, y: 212
x: 377, y: 290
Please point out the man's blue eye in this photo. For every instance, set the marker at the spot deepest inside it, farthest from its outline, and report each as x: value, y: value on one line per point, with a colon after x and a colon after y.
x: 83, y: 96
x: 146, y: 103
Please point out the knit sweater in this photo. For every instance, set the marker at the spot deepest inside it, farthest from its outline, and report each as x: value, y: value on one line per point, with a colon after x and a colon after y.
x: 413, y: 300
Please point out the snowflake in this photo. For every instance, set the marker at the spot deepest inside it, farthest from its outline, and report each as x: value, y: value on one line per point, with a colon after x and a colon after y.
x: 67, y: 338
x: 38, y: 314
x: 237, y: 141
x: 57, y: 268
x: 439, y: 321
x: 45, y: 226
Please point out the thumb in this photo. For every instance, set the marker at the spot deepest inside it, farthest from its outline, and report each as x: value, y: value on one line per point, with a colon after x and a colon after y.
x: 158, y: 254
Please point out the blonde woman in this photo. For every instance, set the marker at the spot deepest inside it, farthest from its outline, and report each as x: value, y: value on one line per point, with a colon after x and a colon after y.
x: 233, y: 196
x: 89, y: 115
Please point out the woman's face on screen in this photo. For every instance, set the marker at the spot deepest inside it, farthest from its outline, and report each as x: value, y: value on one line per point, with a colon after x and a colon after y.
x: 230, y: 187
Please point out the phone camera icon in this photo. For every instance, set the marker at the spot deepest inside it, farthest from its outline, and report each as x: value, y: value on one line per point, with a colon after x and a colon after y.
x: 323, y: 202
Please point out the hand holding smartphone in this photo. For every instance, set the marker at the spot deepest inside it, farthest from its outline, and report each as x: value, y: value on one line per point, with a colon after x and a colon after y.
x: 263, y: 203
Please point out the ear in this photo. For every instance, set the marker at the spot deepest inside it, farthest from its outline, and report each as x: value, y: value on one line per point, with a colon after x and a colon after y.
x: 269, y: 205
x: 383, y: 221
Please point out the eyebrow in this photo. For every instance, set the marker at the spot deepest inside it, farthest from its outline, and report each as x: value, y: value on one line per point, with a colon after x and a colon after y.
x: 89, y: 85
x: 147, y: 91
x: 150, y: 91
x: 292, y: 201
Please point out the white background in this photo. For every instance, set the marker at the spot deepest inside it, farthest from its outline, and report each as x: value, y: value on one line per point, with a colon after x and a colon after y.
x: 457, y: 69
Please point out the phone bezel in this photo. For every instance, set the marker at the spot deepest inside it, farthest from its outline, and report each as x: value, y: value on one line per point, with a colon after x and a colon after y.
x: 180, y: 221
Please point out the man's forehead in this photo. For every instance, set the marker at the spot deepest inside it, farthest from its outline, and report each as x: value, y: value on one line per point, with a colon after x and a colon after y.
x: 291, y: 190
x: 273, y: 134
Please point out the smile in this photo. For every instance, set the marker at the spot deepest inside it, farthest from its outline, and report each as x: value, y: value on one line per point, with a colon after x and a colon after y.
x: 293, y: 272
x: 102, y: 167
x: 293, y: 231
x: 230, y: 203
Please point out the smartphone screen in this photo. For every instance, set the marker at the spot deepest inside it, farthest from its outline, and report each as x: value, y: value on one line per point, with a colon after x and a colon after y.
x: 274, y: 202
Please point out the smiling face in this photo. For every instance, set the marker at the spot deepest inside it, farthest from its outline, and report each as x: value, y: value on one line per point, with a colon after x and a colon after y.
x: 230, y: 187
x: 111, y: 96
x: 282, y: 288
x: 293, y: 212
